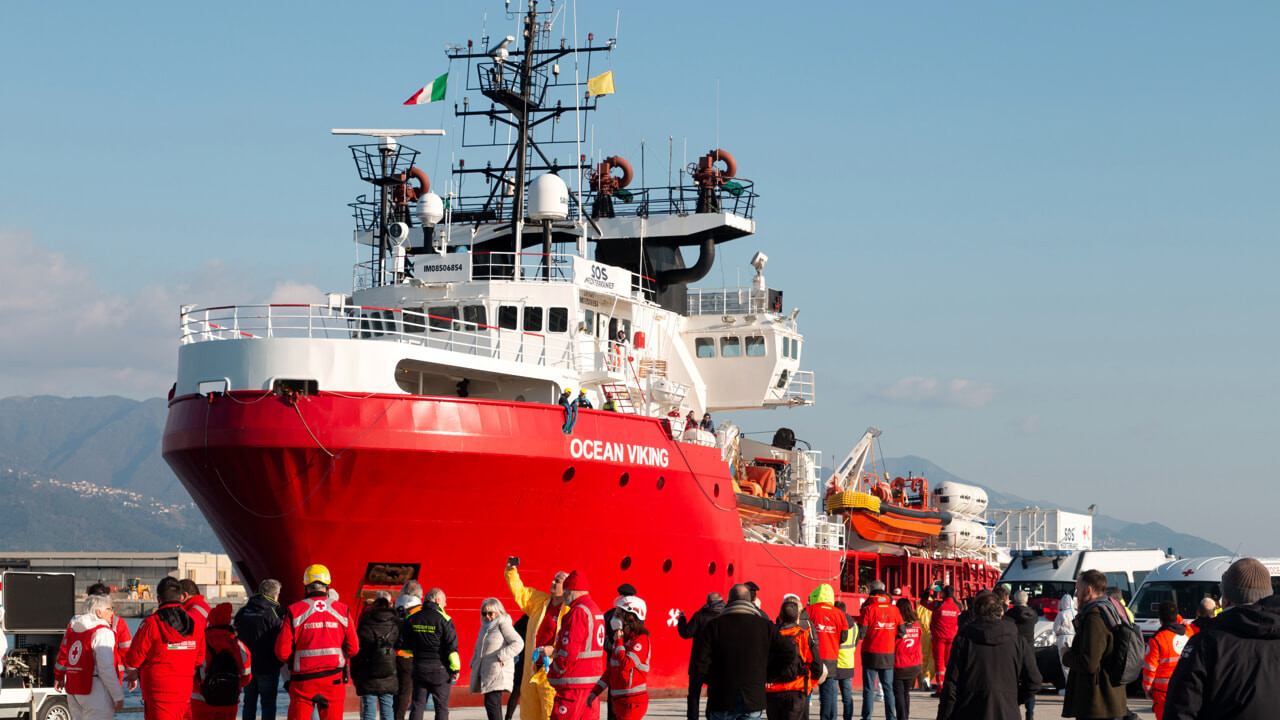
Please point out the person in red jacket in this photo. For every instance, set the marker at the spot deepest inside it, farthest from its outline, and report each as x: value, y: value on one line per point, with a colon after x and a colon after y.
x: 165, y: 653
x: 908, y: 657
x: 628, y: 660
x: 943, y: 627
x: 193, y: 602
x: 577, y: 660
x: 1163, y: 652
x: 118, y: 627
x: 315, y: 642
x: 220, y: 639
x: 830, y: 627
x: 878, y: 632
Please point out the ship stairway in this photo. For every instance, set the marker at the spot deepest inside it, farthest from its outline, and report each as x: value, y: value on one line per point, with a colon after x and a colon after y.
x: 621, y: 397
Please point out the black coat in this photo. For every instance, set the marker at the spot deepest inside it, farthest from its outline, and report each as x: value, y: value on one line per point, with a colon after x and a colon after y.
x: 990, y: 671
x: 373, y: 669
x: 257, y: 625
x: 739, y: 652
x: 430, y: 636
x: 1023, y: 618
x: 691, y: 628
x: 1231, y: 670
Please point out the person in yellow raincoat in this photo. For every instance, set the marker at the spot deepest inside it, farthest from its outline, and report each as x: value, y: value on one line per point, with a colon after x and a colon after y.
x: 926, y: 643
x: 536, y: 694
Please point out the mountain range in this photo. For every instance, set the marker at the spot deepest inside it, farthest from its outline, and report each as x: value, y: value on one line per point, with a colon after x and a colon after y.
x: 86, y: 473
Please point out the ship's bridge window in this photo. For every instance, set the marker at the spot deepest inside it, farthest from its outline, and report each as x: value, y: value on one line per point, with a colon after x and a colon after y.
x: 442, y: 317
x: 588, y: 321
x: 795, y: 349
x: 704, y: 347
x: 786, y: 347
x: 508, y: 317
x: 558, y: 320
x: 414, y: 321
x: 730, y: 346
x: 475, y: 315
x: 755, y: 345
x: 533, y: 319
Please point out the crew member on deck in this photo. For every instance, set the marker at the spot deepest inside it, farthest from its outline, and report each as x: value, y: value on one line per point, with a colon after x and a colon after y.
x: 583, y: 401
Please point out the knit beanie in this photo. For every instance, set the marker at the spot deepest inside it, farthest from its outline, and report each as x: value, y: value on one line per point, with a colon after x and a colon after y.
x: 576, y: 581
x: 1246, y: 582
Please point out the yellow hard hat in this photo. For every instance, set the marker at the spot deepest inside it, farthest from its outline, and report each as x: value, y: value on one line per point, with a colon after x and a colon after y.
x: 314, y: 574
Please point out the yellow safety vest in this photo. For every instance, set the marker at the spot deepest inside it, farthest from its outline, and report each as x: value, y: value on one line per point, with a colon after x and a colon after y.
x: 848, y: 650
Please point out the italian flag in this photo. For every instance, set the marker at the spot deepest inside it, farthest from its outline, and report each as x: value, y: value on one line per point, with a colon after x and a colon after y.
x: 430, y: 93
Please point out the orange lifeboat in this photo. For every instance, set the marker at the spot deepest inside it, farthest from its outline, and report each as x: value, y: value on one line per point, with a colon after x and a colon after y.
x: 875, y: 518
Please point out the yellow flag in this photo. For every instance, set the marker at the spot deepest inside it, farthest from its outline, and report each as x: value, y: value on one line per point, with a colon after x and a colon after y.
x: 601, y: 84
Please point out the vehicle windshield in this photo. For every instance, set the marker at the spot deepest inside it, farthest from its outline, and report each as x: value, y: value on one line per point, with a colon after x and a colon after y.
x: 1039, y: 589
x: 1186, y: 595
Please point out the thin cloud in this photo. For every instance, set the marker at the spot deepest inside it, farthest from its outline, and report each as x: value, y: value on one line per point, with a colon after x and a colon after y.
x: 934, y: 392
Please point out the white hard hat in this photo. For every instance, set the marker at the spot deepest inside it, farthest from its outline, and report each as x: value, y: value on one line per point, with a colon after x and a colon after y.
x: 632, y: 604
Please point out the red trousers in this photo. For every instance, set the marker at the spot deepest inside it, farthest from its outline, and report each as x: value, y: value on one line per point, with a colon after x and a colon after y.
x: 302, y: 694
x: 631, y: 707
x: 201, y: 710
x: 1157, y: 703
x: 941, y: 653
x: 569, y: 704
x: 165, y: 708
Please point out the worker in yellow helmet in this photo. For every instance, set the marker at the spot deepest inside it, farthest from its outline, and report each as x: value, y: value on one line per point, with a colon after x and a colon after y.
x: 315, y: 642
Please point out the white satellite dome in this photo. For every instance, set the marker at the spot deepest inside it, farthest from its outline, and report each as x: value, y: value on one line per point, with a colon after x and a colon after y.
x: 548, y: 198
x: 430, y: 210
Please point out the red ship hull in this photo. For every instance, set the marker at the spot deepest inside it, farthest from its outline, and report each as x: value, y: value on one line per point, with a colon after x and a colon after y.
x: 456, y: 486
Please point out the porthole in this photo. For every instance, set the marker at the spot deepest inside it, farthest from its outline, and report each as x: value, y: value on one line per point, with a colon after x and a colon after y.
x: 716, y: 490
x: 568, y: 474
x: 730, y: 569
x: 666, y: 566
x: 626, y: 562
x: 662, y: 481
x: 626, y: 478
x: 711, y: 569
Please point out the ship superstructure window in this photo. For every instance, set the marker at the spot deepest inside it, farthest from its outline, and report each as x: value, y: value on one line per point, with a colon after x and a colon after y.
x: 558, y: 320
x: 589, y: 321
x: 533, y: 319
x: 475, y: 315
x: 508, y: 317
x: 730, y: 347
x: 755, y: 345
x: 786, y: 347
x: 414, y: 321
x: 375, y: 323
x: 704, y: 347
x: 795, y: 349
x: 441, y: 317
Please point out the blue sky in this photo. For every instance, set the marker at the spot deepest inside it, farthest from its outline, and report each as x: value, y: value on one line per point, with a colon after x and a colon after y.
x: 1033, y: 242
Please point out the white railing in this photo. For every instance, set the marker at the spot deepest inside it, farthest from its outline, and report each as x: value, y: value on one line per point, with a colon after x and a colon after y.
x: 467, y: 267
x: 800, y: 389
x: 726, y: 301
x: 375, y: 324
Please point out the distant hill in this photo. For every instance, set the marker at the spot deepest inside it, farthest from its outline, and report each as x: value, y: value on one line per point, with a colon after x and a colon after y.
x: 1108, y: 532
x: 86, y: 473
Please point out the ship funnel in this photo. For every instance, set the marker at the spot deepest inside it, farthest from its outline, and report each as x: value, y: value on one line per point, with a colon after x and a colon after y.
x: 548, y: 198
x: 430, y: 210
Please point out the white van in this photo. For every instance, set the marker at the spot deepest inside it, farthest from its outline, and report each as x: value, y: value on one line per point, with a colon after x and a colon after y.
x: 37, y: 608
x: 1186, y: 583
x: 1047, y: 575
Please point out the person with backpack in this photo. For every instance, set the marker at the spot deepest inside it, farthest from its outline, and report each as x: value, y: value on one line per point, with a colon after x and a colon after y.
x: 1090, y: 691
x: 215, y: 694
x: 373, y: 669
x: 990, y: 669
x: 257, y: 625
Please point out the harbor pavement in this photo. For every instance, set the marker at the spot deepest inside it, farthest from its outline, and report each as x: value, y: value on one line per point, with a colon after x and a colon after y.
x: 923, y: 707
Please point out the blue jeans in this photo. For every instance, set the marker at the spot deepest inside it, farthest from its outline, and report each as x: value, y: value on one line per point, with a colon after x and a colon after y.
x: 846, y: 696
x: 869, y: 676
x: 371, y: 706
x: 737, y: 713
x: 827, y: 698
x: 263, y: 687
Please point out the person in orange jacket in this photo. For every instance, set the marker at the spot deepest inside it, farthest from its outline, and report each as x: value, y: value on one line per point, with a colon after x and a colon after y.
x: 628, y: 660
x: 224, y: 697
x: 1163, y: 651
x: 164, y: 655
x: 315, y: 642
x: 789, y: 700
x: 577, y: 658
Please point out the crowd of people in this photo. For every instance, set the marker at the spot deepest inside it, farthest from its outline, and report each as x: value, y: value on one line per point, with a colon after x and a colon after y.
x: 564, y: 654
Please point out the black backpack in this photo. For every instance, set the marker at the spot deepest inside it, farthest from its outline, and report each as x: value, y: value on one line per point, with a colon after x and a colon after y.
x: 221, y: 683
x: 380, y: 659
x: 1125, y: 664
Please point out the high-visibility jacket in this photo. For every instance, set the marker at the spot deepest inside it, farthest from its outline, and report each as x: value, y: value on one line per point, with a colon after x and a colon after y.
x: 317, y: 637
x: 881, y: 619
x: 404, y: 652
x: 847, y: 658
x: 829, y: 626
x: 81, y: 639
x: 628, y: 667
x: 198, y: 608
x: 165, y: 657
x: 800, y: 636
x: 1163, y: 651
x: 123, y: 639
x: 945, y: 622
x: 578, y: 661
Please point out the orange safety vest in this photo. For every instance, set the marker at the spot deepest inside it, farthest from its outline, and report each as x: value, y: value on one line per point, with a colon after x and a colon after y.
x: 1163, y: 652
x: 800, y: 636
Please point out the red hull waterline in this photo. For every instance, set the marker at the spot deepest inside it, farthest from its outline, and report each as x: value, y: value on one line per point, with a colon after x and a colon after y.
x: 457, y: 486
